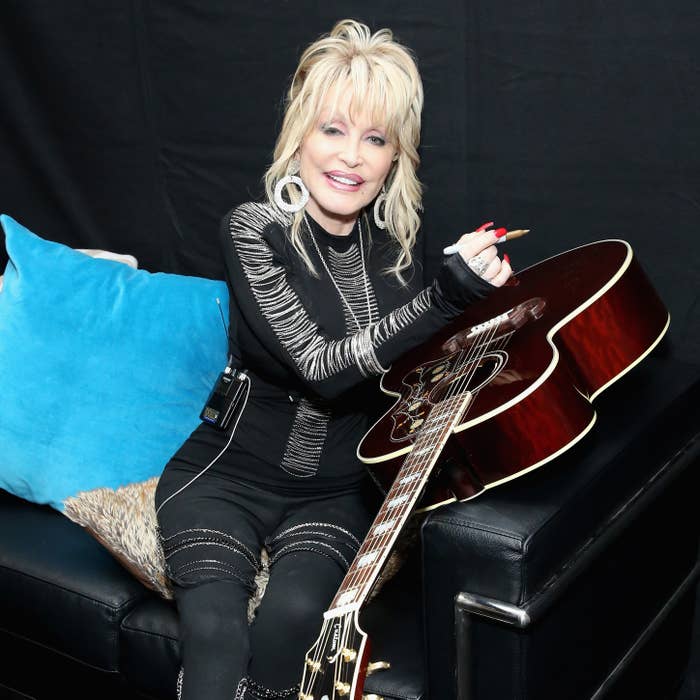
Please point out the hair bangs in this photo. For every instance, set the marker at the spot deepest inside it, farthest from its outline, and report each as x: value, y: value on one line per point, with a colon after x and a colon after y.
x: 364, y: 88
x: 324, y: 93
x: 387, y: 97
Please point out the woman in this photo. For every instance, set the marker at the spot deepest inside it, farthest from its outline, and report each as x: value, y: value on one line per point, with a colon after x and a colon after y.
x: 323, y: 299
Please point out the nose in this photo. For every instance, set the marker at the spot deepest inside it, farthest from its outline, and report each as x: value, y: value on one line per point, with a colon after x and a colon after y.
x: 350, y: 154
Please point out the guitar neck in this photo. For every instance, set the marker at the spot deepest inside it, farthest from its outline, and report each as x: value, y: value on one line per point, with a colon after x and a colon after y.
x: 398, y: 504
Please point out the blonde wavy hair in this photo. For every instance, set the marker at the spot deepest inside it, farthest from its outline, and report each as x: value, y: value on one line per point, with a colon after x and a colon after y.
x: 381, y: 77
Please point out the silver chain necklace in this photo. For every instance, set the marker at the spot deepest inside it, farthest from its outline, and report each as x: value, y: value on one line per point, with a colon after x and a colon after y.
x: 335, y: 284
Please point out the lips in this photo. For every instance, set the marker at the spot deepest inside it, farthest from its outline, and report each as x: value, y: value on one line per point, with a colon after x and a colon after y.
x: 344, y: 181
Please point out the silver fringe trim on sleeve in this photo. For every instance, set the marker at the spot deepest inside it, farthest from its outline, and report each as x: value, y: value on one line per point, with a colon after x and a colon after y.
x: 316, y: 357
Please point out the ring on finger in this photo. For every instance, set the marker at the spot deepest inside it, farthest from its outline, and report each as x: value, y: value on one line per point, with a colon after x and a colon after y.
x: 494, y: 267
x: 478, y: 264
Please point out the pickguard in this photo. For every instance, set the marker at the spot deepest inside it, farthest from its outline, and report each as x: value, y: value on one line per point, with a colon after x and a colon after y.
x: 431, y: 382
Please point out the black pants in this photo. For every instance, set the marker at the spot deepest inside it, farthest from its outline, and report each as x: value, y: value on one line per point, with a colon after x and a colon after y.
x: 212, y: 534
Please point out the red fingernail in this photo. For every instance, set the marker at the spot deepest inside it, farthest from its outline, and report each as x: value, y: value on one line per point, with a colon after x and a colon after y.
x: 506, y: 258
x: 483, y: 227
x: 500, y: 232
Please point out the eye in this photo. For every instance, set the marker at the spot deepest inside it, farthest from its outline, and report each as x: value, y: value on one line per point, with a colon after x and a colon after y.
x: 330, y: 130
x: 377, y: 140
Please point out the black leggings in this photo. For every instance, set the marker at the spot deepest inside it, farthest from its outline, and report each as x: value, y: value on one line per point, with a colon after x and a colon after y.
x: 222, y: 656
x: 212, y: 534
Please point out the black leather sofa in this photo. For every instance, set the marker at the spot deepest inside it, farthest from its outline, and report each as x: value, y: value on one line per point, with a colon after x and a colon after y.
x: 574, y: 581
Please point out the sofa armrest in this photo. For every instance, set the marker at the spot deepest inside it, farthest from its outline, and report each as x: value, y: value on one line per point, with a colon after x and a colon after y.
x: 522, y: 544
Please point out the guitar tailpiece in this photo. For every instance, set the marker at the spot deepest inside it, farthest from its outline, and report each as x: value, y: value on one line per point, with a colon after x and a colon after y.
x: 256, y: 691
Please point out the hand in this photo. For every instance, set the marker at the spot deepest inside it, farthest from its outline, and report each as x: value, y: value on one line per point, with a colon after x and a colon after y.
x: 479, y: 251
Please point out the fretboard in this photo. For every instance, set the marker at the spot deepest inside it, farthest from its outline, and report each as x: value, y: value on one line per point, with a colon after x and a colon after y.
x: 398, y: 504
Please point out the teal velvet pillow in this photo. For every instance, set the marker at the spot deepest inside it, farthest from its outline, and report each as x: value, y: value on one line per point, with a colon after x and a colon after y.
x: 104, y: 369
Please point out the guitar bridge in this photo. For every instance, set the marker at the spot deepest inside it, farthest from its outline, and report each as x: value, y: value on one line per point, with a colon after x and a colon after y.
x: 504, y: 323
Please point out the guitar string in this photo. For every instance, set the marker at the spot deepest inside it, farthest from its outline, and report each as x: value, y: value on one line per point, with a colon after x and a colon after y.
x: 346, y: 645
x: 365, y: 575
x: 350, y: 582
x: 337, y: 664
x: 341, y: 671
x: 455, y: 389
x: 339, y: 668
x: 321, y: 643
x: 503, y: 343
x: 364, y: 579
x: 359, y: 579
x: 328, y: 626
x: 463, y: 385
x: 461, y: 361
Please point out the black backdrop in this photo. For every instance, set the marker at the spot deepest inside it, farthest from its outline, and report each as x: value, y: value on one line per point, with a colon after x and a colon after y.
x: 135, y: 125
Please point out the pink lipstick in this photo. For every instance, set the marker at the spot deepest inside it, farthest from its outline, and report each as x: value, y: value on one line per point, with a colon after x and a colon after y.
x: 348, y: 182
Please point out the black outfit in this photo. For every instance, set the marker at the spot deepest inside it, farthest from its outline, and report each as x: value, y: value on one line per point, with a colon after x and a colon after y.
x: 289, y: 480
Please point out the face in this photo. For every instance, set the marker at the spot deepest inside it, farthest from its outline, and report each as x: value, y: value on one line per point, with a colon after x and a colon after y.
x: 343, y: 163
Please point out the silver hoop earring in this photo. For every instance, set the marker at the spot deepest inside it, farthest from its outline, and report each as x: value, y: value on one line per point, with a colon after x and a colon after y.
x: 291, y: 206
x: 378, y: 204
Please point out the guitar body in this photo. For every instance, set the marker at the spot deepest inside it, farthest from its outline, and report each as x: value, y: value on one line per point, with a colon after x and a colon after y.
x: 503, y: 389
x: 571, y: 326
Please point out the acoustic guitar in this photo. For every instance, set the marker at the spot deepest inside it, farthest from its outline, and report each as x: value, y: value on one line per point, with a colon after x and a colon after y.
x: 502, y: 390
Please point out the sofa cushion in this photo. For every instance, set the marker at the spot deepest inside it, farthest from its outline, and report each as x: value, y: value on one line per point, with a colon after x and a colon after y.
x: 105, y: 367
x: 124, y: 521
x: 59, y: 587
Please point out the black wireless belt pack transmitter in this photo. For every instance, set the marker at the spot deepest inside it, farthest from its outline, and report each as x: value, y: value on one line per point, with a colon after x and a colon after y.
x: 226, y: 398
